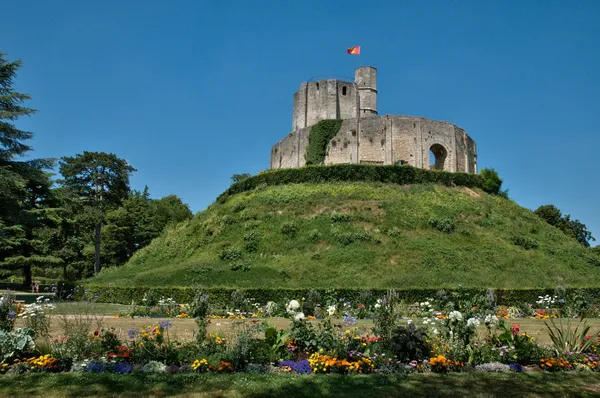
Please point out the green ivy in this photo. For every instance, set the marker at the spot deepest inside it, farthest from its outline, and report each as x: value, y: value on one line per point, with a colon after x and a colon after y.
x: 320, y: 135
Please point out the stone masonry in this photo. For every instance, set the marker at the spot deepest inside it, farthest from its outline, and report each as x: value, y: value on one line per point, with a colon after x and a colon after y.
x: 367, y: 138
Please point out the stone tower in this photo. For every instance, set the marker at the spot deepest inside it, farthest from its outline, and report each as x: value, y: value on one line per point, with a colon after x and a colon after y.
x: 365, y: 78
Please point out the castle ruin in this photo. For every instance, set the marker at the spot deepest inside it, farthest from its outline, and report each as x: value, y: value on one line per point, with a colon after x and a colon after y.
x: 365, y: 137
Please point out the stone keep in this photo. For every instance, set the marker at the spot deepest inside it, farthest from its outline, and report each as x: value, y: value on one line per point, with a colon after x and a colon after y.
x: 367, y: 138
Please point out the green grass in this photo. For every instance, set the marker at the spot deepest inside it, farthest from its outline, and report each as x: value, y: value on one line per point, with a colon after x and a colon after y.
x: 284, y: 385
x: 388, y: 240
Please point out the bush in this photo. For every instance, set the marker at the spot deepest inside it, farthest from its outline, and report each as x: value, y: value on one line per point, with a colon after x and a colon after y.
x: 410, y: 343
x: 442, y: 224
x: 524, y: 242
x: 491, y: 181
x: 314, y: 236
x: 340, y: 217
x: 231, y: 253
x: 289, y: 229
x: 355, y: 172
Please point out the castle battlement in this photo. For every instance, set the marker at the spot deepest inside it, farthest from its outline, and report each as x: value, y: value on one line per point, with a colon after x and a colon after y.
x: 365, y: 137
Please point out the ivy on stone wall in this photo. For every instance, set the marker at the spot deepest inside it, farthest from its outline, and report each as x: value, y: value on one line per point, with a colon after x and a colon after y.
x: 320, y: 135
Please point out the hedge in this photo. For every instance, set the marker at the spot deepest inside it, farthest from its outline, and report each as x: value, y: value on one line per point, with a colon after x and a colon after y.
x: 221, y: 297
x: 394, y: 174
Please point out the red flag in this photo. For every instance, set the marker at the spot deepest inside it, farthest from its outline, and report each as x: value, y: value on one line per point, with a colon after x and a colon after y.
x: 354, y: 50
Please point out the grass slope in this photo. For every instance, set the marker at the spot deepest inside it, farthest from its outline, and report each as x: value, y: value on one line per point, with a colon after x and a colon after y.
x: 362, y: 235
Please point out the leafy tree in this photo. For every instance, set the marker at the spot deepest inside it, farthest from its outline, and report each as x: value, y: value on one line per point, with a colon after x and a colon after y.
x: 239, y: 177
x: 491, y: 181
x: 137, y: 222
x: 101, y: 181
x: 573, y: 228
x: 24, y: 185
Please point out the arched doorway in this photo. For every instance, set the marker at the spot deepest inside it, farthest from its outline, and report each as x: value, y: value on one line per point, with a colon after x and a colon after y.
x: 437, y: 157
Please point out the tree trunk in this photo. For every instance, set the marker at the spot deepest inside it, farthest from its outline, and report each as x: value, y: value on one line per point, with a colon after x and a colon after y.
x: 27, y: 276
x: 97, y: 248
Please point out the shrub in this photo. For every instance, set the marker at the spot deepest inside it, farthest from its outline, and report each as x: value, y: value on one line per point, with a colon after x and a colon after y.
x: 340, y: 217
x: 394, y: 232
x: 445, y: 225
x: 251, y: 241
x: 410, y: 343
x: 491, y: 181
x: 524, y: 242
x: 230, y: 253
x: 354, y: 172
x: 314, y: 236
x: 289, y: 229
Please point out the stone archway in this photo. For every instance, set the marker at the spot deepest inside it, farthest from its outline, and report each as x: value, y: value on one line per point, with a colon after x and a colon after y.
x: 437, y: 157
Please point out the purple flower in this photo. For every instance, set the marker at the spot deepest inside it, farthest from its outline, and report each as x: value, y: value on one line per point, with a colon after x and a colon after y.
x: 300, y: 367
x: 133, y: 333
x: 166, y: 324
x: 515, y: 367
x: 11, y: 314
x: 123, y: 368
x: 95, y: 367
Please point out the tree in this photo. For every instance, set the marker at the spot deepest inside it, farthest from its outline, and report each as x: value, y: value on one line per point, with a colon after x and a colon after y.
x: 24, y: 185
x: 573, y: 228
x: 491, y: 181
x: 101, y: 181
x: 239, y: 177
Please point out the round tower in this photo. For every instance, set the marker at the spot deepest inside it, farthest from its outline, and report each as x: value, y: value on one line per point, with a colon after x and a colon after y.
x: 365, y: 78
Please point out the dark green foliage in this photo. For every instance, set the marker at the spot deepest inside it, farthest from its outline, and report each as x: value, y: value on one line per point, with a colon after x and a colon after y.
x: 231, y: 253
x: 410, y: 343
x: 251, y: 240
x: 289, y: 229
x: 341, y: 217
x: 239, y: 177
x: 314, y: 236
x: 346, y: 237
x: 525, y: 242
x: 394, y: 232
x: 318, y: 139
x: 241, y: 266
x: 442, y: 224
x: 354, y: 172
x: 491, y: 181
x: 573, y: 228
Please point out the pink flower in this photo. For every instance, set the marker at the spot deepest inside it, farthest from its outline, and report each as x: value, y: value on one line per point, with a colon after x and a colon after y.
x: 515, y: 329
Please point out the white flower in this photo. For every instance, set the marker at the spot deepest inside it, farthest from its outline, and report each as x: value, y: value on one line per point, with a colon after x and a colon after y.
x: 299, y: 316
x: 331, y: 310
x: 293, y: 306
x: 472, y: 323
x: 435, y: 331
x: 455, y: 316
x: 409, y: 321
x: 491, y: 321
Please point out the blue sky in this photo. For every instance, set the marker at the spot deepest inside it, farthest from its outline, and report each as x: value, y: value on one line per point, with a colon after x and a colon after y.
x: 191, y: 92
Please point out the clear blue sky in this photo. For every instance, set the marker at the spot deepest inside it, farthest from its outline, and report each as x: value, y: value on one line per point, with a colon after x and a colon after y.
x: 191, y: 92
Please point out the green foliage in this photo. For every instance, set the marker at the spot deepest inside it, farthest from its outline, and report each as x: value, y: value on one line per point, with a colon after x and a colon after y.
x: 318, y: 139
x: 231, y: 253
x: 443, y: 225
x: 340, y: 217
x: 15, y: 343
x: 569, y: 340
x: 573, y: 228
x: 354, y: 172
x: 239, y: 177
x: 525, y: 242
x: 289, y: 229
x: 491, y: 181
x: 410, y: 343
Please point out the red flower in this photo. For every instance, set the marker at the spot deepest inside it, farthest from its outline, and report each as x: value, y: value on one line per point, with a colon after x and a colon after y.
x: 96, y: 332
x: 515, y: 329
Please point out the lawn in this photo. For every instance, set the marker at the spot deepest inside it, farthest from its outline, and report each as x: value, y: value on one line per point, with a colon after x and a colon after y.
x: 288, y: 385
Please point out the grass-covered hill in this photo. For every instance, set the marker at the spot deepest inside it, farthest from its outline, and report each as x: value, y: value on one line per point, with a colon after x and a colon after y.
x: 361, y: 235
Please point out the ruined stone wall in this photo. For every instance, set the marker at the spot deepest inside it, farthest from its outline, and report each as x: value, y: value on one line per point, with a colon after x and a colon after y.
x: 385, y: 140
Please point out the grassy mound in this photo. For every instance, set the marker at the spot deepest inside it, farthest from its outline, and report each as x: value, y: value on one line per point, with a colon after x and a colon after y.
x: 361, y: 235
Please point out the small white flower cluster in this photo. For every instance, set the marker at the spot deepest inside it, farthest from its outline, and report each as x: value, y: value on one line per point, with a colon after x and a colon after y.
x: 546, y: 300
x: 455, y: 316
x: 491, y: 321
x: 166, y: 302
x: 378, y: 304
x: 473, y: 323
x: 331, y: 310
x: 36, y: 309
x: 293, y: 308
x: 154, y: 367
x: 270, y: 308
